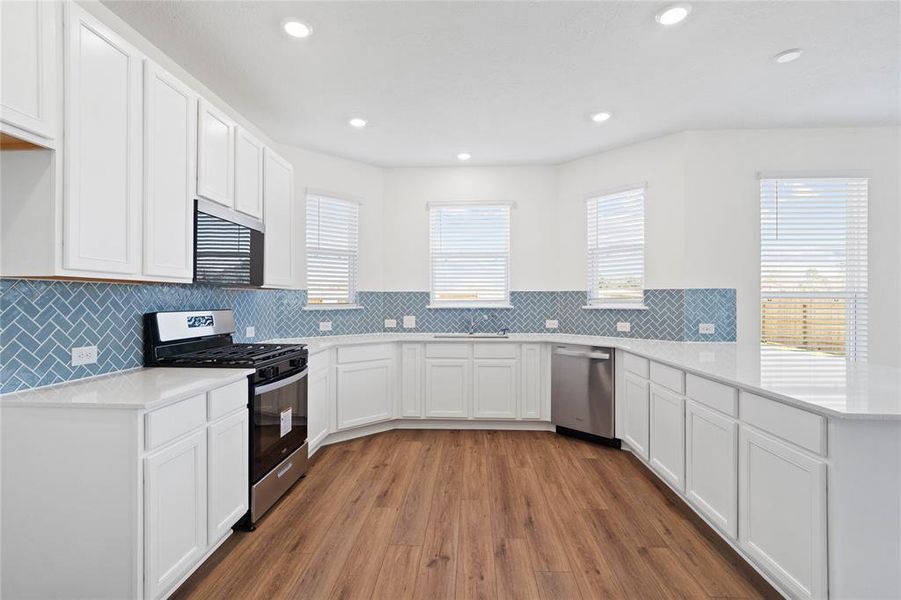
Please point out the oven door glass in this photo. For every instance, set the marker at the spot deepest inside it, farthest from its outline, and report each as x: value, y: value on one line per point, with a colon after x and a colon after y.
x: 279, y: 422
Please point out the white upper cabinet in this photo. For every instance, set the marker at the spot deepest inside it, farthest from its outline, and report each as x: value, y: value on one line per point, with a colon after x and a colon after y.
x: 28, y: 74
x: 248, y: 174
x: 103, y: 163
x: 215, y: 155
x: 170, y: 127
x: 278, y: 217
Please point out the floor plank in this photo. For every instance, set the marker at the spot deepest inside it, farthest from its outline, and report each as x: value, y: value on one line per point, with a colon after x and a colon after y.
x: 420, y: 514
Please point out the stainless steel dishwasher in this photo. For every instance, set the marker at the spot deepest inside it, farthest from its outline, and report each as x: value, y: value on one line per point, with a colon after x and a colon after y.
x: 582, y: 394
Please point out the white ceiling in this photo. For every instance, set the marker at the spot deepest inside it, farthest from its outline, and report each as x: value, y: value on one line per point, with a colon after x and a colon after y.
x: 514, y: 83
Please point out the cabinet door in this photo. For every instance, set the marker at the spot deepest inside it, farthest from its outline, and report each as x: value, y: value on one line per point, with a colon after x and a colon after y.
x: 229, y: 475
x: 494, y: 388
x: 711, y: 465
x: 667, y: 436
x: 364, y: 393
x: 248, y: 174
x: 317, y: 419
x: 411, y: 380
x: 447, y: 387
x: 170, y: 146
x: 103, y: 163
x: 782, y: 512
x: 175, y: 511
x: 215, y: 155
x: 530, y: 390
x: 28, y: 98
x: 278, y: 215
x: 635, y: 413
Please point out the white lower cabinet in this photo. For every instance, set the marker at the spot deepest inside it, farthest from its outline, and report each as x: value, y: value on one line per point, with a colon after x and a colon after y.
x: 494, y: 389
x: 318, y: 403
x: 782, y: 513
x: 711, y: 466
x: 228, y: 473
x: 530, y: 391
x: 447, y: 387
x: 175, y: 512
x: 411, y: 380
x: 635, y: 413
x: 364, y: 393
x: 667, y: 435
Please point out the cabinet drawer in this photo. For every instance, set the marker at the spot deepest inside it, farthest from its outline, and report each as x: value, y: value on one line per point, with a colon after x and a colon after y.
x: 668, y: 377
x: 787, y: 422
x: 494, y: 350
x: 635, y: 364
x: 451, y: 350
x: 352, y: 354
x: 166, y: 424
x: 227, y: 399
x: 710, y: 393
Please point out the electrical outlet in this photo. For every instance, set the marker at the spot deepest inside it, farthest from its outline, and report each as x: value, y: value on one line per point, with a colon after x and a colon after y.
x: 707, y: 328
x: 250, y: 332
x: 325, y: 325
x: 551, y: 324
x: 624, y: 326
x: 86, y: 355
x: 390, y: 323
x: 409, y: 321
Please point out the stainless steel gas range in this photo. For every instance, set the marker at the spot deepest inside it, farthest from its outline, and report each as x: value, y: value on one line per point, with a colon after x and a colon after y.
x: 278, y: 392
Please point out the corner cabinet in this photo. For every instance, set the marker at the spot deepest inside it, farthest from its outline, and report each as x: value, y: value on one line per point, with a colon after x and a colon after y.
x: 28, y: 74
x: 103, y: 138
x: 215, y: 155
x: 278, y: 217
x: 170, y: 129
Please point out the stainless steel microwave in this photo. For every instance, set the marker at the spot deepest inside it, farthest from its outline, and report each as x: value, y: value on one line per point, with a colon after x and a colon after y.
x: 228, y: 246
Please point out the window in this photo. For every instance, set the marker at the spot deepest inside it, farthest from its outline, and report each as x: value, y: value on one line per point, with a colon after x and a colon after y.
x: 813, y: 265
x: 616, y: 249
x: 470, y: 255
x: 332, y: 256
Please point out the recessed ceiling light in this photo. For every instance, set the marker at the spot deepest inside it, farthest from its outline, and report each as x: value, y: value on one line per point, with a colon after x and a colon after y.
x: 296, y: 28
x: 464, y: 156
x: 600, y: 117
x: 357, y: 122
x: 787, y: 56
x: 675, y: 13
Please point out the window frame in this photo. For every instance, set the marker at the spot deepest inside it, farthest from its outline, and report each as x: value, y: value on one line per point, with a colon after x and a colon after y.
x: 598, y: 302
x: 435, y: 303
x: 353, y: 257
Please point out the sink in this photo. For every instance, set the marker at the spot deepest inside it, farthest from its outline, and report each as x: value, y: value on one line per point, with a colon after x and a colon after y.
x: 470, y: 336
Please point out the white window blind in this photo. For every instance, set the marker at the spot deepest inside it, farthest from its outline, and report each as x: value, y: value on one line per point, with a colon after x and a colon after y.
x: 332, y: 255
x: 470, y: 254
x: 616, y: 248
x: 813, y: 265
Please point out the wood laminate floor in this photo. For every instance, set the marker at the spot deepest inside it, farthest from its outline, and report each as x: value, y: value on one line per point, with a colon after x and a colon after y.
x: 473, y: 514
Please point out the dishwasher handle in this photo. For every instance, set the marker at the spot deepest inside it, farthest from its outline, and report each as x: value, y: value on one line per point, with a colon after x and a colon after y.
x: 578, y: 354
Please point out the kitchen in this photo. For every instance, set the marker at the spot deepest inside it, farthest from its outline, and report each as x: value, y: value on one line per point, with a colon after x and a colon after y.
x: 320, y: 299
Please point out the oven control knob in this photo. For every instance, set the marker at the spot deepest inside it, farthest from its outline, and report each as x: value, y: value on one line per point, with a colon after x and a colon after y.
x: 267, y: 373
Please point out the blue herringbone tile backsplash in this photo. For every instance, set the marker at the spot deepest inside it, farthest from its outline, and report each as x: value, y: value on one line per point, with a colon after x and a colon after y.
x: 41, y: 321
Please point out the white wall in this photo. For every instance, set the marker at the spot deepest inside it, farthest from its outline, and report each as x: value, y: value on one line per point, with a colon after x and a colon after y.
x: 533, y: 221
x: 722, y: 213
x: 347, y: 179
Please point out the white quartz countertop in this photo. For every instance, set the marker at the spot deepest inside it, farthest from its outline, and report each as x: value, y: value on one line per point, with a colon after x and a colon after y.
x: 826, y: 385
x: 137, y: 389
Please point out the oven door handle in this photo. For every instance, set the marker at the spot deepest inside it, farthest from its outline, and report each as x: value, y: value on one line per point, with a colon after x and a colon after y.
x: 280, y: 383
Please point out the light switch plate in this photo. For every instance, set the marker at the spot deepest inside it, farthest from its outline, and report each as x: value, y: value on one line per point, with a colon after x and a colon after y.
x: 390, y: 323
x: 325, y: 325
x: 409, y: 321
x: 250, y: 332
x: 85, y: 355
x: 707, y: 328
x: 551, y: 324
x: 624, y: 326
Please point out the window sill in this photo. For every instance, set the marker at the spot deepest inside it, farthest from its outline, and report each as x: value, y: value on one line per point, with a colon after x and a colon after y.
x: 332, y: 307
x: 470, y: 306
x: 615, y: 306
